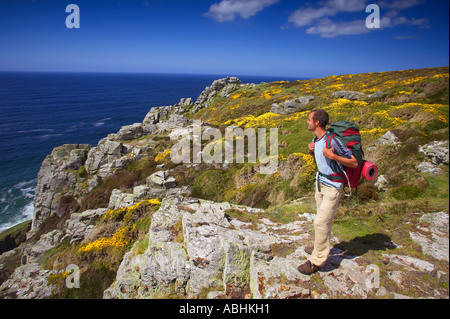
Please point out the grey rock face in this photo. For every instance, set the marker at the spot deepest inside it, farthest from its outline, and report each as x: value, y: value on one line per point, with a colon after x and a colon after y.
x: 79, y: 225
x: 436, y: 154
x: 194, y: 245
x: 101, y: 158
x: 428, y: 167
x: 130, y: 132
x: 27, y: 282
x: 387, y: 138
x: 436, y: 151
x: 210, y: 91
x: 45, y: 243
x: 349, y: 95
x: 57, y: 176
x: 356, y: 95
x: 434, y: 239
x: 291, y: 106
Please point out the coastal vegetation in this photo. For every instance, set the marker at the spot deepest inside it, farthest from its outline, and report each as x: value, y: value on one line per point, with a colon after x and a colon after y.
x: 412, y: 105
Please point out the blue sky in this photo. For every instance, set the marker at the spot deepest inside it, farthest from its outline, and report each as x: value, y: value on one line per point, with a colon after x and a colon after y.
x: 234, y: 37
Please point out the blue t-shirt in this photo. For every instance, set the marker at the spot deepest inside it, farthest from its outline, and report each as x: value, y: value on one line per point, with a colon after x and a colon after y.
x: 324, y: 163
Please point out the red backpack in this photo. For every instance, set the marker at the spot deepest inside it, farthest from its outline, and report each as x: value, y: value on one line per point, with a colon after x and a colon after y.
x: 348, y: 134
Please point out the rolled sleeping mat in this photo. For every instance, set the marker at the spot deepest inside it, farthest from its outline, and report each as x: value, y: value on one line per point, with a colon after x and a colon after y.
x: 369, y: 171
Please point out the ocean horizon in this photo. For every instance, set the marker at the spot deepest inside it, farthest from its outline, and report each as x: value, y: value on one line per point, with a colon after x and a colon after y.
x: 43, y: 110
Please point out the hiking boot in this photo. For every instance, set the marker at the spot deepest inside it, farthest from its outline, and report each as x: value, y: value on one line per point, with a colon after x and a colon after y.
x: 308, y: 249
x: 308, y: 268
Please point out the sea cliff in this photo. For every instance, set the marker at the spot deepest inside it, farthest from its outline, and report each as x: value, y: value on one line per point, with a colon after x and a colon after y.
x: 122, y: 220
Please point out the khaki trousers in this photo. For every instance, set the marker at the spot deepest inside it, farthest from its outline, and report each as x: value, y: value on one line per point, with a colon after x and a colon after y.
x: 327, y: 201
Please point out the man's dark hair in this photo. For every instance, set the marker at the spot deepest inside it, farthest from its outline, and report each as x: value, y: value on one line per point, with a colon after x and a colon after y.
x: 321, y: 116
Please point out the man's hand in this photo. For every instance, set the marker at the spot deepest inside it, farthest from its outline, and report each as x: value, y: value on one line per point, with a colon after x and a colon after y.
x: 328, y: 152
x: 311, y: 148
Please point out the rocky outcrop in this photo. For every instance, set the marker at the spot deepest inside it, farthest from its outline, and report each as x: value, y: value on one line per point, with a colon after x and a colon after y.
x: 130, y: 132
x: 105, y: 157
x: 161, y: 179
x: 436, y: 153
x: 79, y: 225
x: 387, y: 138
x: 111, y: 155
x: 291, y: 106
x: 194, y: 247
x: 225, y: 85
x: 28, y: 281
x: 76, y: 228
x: 434, y: 238
x: 32, y: 252
x: 68, y: 166
x: 59, y: 175
x: 199, y: 248
x: 356, y: 95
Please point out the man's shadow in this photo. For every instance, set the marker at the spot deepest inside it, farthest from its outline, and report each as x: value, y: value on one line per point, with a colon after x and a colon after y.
x: 358, y: 246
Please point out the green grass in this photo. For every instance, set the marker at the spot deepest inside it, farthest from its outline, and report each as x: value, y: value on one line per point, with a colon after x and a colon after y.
x: 213, y: 184
x: 14, y: 236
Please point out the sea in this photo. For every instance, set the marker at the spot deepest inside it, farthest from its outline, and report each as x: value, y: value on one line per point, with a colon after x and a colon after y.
x: 40, y: 111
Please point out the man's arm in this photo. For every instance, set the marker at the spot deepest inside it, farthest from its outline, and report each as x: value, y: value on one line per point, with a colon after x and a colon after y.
x: 349, y: 162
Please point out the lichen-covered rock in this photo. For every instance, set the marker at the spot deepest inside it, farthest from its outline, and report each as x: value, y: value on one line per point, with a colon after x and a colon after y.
x: 130, y: 132
x: 27, y: 282
x: 57, y: 177
x: 210, y: 91
x: 436, y: 151
x: 291, y: 106
x: 434, y: 239
x: 193, y: 246
x: 388, y: 138
x: 356, y: 95
x: 79, y: 225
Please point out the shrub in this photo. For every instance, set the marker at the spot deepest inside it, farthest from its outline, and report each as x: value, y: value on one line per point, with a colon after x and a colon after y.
x: 99, y: 197
x: 367, y: 192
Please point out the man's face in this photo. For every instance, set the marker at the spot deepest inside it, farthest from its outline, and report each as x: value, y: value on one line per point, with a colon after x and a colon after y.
x: 311, y: 125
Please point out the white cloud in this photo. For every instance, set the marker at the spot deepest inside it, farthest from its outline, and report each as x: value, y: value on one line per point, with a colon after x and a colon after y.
x: 329, y: 29
x: 308, y: 16
x: 228, y: 10
x: 392, y: 19
x: 318, y: 19
x: 400, y: 4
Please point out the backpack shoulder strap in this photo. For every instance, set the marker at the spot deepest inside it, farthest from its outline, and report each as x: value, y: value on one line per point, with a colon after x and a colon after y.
x: 330, y: 137
x: 334, y: 165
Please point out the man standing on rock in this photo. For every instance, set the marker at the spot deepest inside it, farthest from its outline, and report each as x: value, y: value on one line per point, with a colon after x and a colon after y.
x: 328, y: 193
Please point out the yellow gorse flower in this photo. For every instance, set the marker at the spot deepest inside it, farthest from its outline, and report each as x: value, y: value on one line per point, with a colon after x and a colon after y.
x: 119, y: 239
x: 309, y: 167
x: 267, y: 120
x: 162, y: 155
x: 122, y: 211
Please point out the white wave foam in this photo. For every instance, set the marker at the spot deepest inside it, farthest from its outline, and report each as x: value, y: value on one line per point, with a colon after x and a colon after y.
x: 28, y: 211
x: 47, y: 136
x: 25, y: 214
x: 101, y: 122
x: 97, y: 124
x: 36, y: 130
x: 26, y: 184
x: 27, y: 189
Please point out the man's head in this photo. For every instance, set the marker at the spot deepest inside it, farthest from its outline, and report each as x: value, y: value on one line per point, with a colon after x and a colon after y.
x: 317, y: 118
